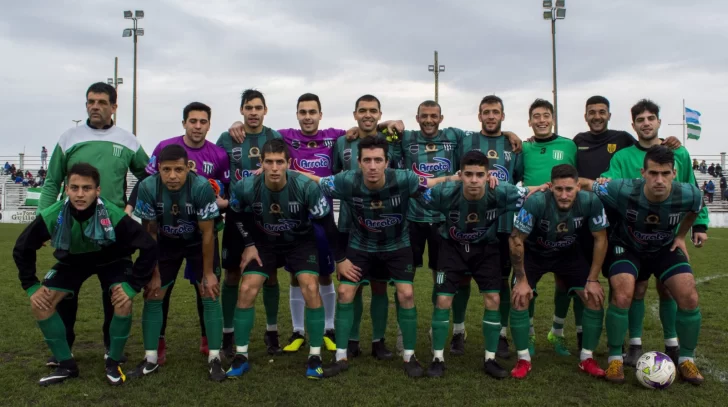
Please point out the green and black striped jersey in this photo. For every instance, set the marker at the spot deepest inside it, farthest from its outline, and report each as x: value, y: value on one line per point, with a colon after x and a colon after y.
x: 245, y: 157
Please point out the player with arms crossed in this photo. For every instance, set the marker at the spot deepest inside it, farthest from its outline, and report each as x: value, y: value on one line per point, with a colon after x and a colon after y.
x: 544, y: 241
x: 653, y: 215
x: 90, y: 236
x: 178, y: 208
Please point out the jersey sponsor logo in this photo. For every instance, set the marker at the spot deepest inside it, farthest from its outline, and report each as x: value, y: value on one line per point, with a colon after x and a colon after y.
x: 227, y: 174
x: 175, y: 210
x: 143, y: 209
x: 374, y: 225
x: 459, y: 236
x: 414, y: 148
x: 294, y: 206
x: 237, y: 153
x: 183, y: 226
x: 427, y: 170
x: 492, y: 154
x: 430, y: 148
x: 454, y: 216
x: 507, y: 155
x: 275, y: 229
x: 106, y: 224
x: 601, y: 220
x: 254, y: 152
x: 448, y: 146
x: 295, y: 144
x: 153, y: 161
x: 376, y: 204
x: 544, y: 225
x: 396, y: 200
x: 427, y: 195
x: 524, y: 217
x: 312, y: 144
x: 472, y: 218
x: 327, y: 183
x: 49, y: 275
x: 347, y: 154
x: 652, y: 219
x: 192, y: 165
x: 208, y: 211
x: 611, y: 148
x: 558, y: 155
x: 618, y: 250
x: 500, y: 172
x: 321, y: 208
x: 440, y: 279
x: 643, y: 238
x: 562, y: 227
x: 308, y: 165
x: 578, y: 221
x: 674, y: 218
x: 243, y: 174
x: 117, y: 150
x: 275, y: 209
x: 208, y: 167
x: 560, y: 244
x: 631, y: 215
x: 257, y: 208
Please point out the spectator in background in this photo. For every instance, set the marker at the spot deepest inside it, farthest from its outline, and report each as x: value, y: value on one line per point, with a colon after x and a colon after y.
x: 28, y: 174
x: 718, y: 171
x: 710, y: 190
x: 723, y: 188
x: 703, y: 167
x: 12, y: 169
x: 711, y: 170
x: 43, y: 156
x: 18, y: 177
x: 42, y: 172
x: 7, y: 168
x: 695, y: 164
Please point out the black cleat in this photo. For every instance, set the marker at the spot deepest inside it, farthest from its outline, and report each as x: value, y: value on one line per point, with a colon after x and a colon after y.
x: 413, y: 368
x: 122, y: 360
x: 457, y: 345
x: 65, y: 370
x: 673, y: 352
x: 271, y: 340
x: 579, y: 338
x: 144, y: 368
x: 52, y: 362
x: 353, y: 349
x: 228, y: 345
x: 336, y: 368
x: 216, y: 372
x: 493, y: 369
x: 380, y: 352
x: 503, y: 352
x: 114, y: 375
x: 436, y: 369
x: 633, y: 353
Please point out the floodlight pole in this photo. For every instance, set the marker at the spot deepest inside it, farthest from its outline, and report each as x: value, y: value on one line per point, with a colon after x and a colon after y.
x: 553, y: 57
x: 436, y: 69
x: 134, y: 86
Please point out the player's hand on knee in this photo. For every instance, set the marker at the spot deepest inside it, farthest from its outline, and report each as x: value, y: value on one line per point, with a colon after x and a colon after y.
x: 41, y: 299
x: 210, y: 286
x: 119, y: 298
x: 593, y: 292
x: 679, y: 243
x: 151, y: 290
x: 250, y: 254
x: 348, y: 270
x: 522, y: 294
x: 237, y: 132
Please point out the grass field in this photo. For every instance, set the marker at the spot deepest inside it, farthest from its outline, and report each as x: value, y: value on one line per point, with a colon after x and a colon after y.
x: 281, y: 381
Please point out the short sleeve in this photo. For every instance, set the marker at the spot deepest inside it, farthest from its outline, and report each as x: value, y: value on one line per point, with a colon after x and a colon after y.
x: 697, y: 203
x: 204, y: 200
x: 526, y: 217
x: 414, y: 182
x: 145, y: 204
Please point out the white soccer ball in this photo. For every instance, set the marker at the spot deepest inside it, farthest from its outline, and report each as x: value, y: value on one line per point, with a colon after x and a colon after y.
x: 655, y: 370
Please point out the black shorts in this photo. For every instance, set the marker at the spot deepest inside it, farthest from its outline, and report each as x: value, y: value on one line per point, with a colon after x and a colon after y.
x: 419, y: 233
x: 69, y: 279
x: 505, y: 255
x: 570, y: 267
x: 481, y: 260
x: 395, y: 266
x: 662, y: 264
x: 232, y: 241
x: 300, y: 257
x: 170, y: 261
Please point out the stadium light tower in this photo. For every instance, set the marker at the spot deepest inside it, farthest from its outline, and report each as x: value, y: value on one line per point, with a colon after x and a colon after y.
x: 134, y: 32
x: 554, y: 10
x: 115, y: 81
x: 436, y: 69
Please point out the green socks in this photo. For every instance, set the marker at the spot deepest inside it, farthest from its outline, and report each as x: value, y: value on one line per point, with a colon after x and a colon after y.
x: 212, y: 314
x: 379, y: 309
x: 343, y: 321
x: 688, y: 330
x: 561, y: 309
x: 315, y: 321
x: 244, y: 320
x: 668, y: 318
x: 460, y: 304
x: 578, y: 311
x: 151, y: 323
x: 358, y: 310
x: 491, y: 330
x: 592, y: 328
x: 118, y: 333
x: 229, y: 302
x: 271, y: 298
x: 519, y: 328
x: 617, y: 323
x: 532, y: 307
x: 54, y: 333
x: 505, y: 304
x: 408, y: 324
x: 636, y: 318
x: 440, y: 328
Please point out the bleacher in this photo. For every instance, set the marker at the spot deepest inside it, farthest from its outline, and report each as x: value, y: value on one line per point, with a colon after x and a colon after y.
x: 717, y: 205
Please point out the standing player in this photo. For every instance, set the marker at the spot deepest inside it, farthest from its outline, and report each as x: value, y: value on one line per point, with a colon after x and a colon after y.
x: 469, y: 246
x: 178, y: 208
x: 115, y: 151
x: 283, y: 204
x: 244, y: 159
x: 654, y: 213
x: 90, y: 236
x: 625, y: 165
x: 548, y: 226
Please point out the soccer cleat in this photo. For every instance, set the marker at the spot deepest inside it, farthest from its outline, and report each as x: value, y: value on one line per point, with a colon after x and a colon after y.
x: 239, y: 366
x: 114, y: 375
x: 61, y: 374
x: 295, y: 342
x: 380, y: 352
x: 330, y: 340
x: 673, y: 352
x: 228, y: 345
x: 615, y: 372
x: 216, y: 373
x: 493, y: 369
x: 532, y: 345
x: 579, y: 338
x: 457, y: 345
x: 413, y: 368
x: 52, y: 362
x: 633, y: 353
x: 271, y: 340
x: 689, y: 372
x: 503, y: 352
x: 436, y: 369
x: 314, y: 370
x: 121, y: 361
x: 559, y: 343
x: 336, y: 368
x: 161, y: 351
x: 520, y: 371
x: 144, y: 368
x: 353, y: 349
x: 204, y: 349
x: 591, y: 367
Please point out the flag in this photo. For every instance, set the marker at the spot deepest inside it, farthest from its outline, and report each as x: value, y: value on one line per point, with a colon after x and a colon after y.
x: 692, y: 116
x: 32, y: 196
x: 693, y: 131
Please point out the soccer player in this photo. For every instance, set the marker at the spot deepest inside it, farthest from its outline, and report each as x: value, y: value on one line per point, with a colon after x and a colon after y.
x: 283, y: 204
x: 379, y: 246
x: 654, y: 213
x: 625, y: 165
x: 90, y: 236
x: 178, y: 208
x: 543, y: 241
x: 114, y: 151
x: 245, y: 160
x: 209, y: 161
x: 469, y: 246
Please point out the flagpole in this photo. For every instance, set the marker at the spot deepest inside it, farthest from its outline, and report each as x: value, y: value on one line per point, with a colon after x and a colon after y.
x: 685, y: 124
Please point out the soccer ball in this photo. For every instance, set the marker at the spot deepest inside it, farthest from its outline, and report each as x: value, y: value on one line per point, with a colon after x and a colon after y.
x: 655, y: 370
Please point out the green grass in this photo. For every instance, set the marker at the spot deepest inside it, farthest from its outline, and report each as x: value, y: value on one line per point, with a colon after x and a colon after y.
x: 281, y: 381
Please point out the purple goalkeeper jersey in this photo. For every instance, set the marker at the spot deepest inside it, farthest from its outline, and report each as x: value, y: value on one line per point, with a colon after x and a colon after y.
x: 210, y: 161
x: 312, y: 154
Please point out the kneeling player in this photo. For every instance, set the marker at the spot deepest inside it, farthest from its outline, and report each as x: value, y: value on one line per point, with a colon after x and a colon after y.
x: 470, y: 247
x: 281, y: 202
x: 90, y: 236
x: 178, y: 208
x: 549, y: 225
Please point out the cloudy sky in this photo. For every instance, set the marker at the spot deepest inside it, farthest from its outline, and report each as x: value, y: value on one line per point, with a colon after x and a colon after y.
x: 209, y: 51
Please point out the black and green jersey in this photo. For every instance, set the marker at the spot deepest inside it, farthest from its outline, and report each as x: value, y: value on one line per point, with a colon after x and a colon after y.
x: 642, y: 225
x: 542, y: 155
x: 474, y: 221
x: 429, y: 157
x: 551, y: 230
x: 379, y: 217
x: 281, y: 217
x: 178, y: 212
x: 245, y: 157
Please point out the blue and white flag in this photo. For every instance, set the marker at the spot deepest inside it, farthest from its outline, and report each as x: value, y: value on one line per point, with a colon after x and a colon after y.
x: 692, y: 116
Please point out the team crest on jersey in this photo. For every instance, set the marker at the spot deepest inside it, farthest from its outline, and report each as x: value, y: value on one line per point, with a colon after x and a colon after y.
x: 308, y: 165
x: 396, y: 200
x: 472, y: 218
x: 374, y: 225
x: 254, y: 152
x: 174, y: 210
x: 448, y: 146
x: 312, y: 144
x: 358, y: 202
x: 237, y: 153
x: 414, y: 148
x: 295, y: 144
x: 611, y: 148
x: 377, y: 204
x: 428, y: 170
x: 631, y: 215
x: 492, y: 154
x: 257, y: 208
x: 652, y: 219
x: 558, y: 155
x: 454, y: 216
x: 491, y: 214
x: 347, y: 154
x: 118, y: 150
x: 675, y: 218
x: 578, y: 221
x: 190, y: 209
x: 160, y: 208
x: 500, y: 172
x: 208, y: 167
x: 430, y: 148
x: 562, y: 227
x: 507, y: 155
x: 294, y: 207
x: 329, y: 142
x: 544, y: 225
x: 275, y: 209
